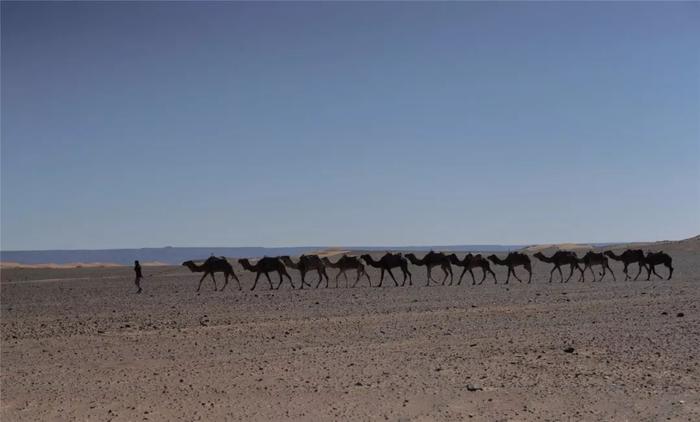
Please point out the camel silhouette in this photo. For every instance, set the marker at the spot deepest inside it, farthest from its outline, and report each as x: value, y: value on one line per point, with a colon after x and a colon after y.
x: 386, y: 263
x: 430, y: 260
x: 347, y: 263
x: 593, y: 258
x: 305, y: 264
x: 658, y: 258
x: 628, y: 257
x: 513, y: 260
x: 265, y: 266
x: 559, y: 259
x: 209, y: 267
x: 470, y: 262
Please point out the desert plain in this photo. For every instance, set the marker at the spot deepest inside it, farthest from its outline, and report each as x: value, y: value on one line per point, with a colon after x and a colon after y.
x: 78, y: 344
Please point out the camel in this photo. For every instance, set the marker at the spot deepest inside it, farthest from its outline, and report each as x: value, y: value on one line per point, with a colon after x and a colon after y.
x: 209, y: 267
x: 628, y: 257
x: 559, y: 259
x: 592, y: 258
x: 658, y: 258
x: 386, y: 263
x: 265, y: 266
x: 470, y: 262
x: 305, y: 264
x: 346, y: 263
x: 513, y: 260
x: 430, y: 260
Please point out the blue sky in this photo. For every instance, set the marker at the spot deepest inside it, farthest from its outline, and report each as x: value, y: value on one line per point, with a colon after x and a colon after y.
x: 241, y: 124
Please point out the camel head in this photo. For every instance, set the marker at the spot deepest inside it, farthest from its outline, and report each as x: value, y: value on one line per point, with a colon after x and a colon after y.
x: 540, y: 256
x: 193, y: 266
x: 244, y: 263
x: 493, y: 258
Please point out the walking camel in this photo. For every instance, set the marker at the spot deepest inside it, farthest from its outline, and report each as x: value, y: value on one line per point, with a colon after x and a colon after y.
x: 559, y: 259
x: 628, y: 257
x: 347, y: 263
x: 209, y: 267
x: 386, y: 263
x: 430, y: 260
x: 513, y: 260
x: 470, y: 262
x: 265, y: 266
x: 658, y: 258
x: 593, y: 258
x: 305, y: 264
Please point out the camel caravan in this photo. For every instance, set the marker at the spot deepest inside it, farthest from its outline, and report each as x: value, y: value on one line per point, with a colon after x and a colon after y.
x: 306, y: 264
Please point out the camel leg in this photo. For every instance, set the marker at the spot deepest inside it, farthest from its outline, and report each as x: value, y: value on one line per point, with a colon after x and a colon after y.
x: 213, y: 279
x: 427, y: 270
x: 611, y: 271
x: 235, y: 277
x: 320, y: 279
x: 464, y: 270
x: 279, y: 273
x: 471, y: 273
x: 396, y: 283
x: 492, y: 274
x: 639, y: 272
x: 670, y: 270
x: 225, y: 281
x: 551, y: 273
x: 381, y: 278
x: 529, y: 270
x: 284, y: 273
x: 366, y: 275
x: 516, y: 276
x: 444, y: 270
x: 510, y: 270
x: 483, y: 270
x: 410, y: 276
x: 200, y: 281
x: 571, y: 272
x: 653, y: 271
x: 256, y: 281
x: 338, y: 276
x: 561, y: 280
x: 270, y: 281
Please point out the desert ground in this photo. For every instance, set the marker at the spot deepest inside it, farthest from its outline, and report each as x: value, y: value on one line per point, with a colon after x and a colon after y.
x: 78, y: 344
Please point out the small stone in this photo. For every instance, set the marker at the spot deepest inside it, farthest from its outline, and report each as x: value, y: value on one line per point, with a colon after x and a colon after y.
x: 680, y: 314
x: 474, y: 387
x: 569, y: 350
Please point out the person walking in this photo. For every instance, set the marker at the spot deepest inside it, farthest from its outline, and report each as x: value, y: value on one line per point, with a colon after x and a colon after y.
x: 139, y: 276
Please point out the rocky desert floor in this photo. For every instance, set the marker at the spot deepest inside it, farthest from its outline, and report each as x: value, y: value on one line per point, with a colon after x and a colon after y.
x: 78, y: 344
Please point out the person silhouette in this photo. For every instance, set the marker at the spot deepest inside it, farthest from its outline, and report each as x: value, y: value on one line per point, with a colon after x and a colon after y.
x: 139, y: 276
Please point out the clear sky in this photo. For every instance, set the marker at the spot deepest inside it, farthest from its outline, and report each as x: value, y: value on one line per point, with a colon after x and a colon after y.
x: 269, y: 124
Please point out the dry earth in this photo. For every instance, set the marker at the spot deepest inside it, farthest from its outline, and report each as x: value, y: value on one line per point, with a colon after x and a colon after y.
x: 78, y: 344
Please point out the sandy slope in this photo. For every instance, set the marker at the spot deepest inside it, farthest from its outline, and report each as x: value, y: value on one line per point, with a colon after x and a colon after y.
x: 78, y: 344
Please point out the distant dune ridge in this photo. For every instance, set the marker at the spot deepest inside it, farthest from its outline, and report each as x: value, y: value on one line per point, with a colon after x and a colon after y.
x: 176, y: 255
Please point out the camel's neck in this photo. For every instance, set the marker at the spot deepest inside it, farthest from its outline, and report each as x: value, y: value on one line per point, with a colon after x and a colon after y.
x: 196, y: 268
x: 288, y: 261
x: 246, y: 264
x: 546, y: 259
x: 372, y: 262
x: 615, y: 257
x: 415, y: 261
